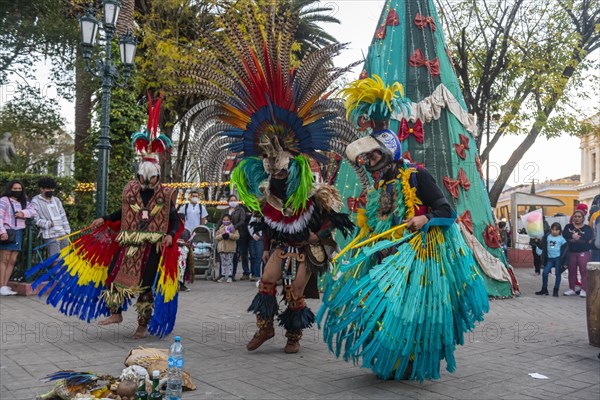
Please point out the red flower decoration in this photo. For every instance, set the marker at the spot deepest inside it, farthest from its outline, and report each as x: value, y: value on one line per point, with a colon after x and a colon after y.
x: 416, y: 130
x: 418, y: 60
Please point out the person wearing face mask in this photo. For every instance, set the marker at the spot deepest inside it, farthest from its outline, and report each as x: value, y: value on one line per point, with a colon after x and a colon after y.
x: 14, y: 209
x: 129, y: 253
x: 51, y: 216
x: 193, y: 213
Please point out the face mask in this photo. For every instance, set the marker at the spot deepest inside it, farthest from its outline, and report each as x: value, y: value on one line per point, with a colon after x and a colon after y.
x: 17, y: 194
x: 195, y: 200
x: 233, y: 204
x: 49, y: 193
x: 226, y: 223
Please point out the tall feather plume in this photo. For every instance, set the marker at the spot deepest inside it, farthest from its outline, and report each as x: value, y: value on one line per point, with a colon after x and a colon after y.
x: 338, y: 146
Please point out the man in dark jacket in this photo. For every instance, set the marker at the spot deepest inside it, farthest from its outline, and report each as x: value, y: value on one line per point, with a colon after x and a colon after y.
x: 239, y: 218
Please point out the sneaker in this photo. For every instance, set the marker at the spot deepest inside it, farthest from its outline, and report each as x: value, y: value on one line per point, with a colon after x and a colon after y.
x: 582, y: 293
x: 229, y: 280
x: 245, y: 278
x: 183, y: 288
x: 6, y: 291
x: 570, y: 292
x: 221, y: 280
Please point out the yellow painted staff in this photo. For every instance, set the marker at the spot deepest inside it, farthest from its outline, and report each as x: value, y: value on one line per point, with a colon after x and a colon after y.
x: 379, y: 236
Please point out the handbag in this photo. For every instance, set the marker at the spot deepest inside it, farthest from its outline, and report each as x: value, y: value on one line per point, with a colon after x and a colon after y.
x: 12, y: 233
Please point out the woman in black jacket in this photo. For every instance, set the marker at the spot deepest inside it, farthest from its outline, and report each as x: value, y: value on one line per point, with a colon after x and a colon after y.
x: 579, y: 236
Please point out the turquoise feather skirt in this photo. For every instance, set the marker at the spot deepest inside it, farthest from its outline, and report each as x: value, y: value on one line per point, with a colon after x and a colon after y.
x: 402, y: 315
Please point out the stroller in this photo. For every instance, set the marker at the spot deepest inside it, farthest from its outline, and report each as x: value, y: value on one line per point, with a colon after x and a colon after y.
x: 204, y: 252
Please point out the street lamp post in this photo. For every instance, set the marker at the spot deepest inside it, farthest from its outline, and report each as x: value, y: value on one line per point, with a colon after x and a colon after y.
x: 106, y: 70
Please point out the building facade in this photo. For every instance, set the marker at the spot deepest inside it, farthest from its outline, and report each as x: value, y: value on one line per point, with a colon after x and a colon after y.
x: 590, y: 163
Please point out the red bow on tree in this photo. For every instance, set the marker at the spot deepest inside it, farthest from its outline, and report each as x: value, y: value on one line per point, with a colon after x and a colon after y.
x: 406, y: 155
x: 418, y: 60
x: 416, y: 130
x: 490, y: 236
x: 462, y: 146
x: 354, y: 203
x: 478, y: 162
x: 422, y: 21
x: 363, y: 74
x: 453, y: 184
x: 391, y: 20
x: 467, y: 221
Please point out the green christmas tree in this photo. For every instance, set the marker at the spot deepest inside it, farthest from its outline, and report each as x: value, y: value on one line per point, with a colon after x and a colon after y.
x: 409, y: 47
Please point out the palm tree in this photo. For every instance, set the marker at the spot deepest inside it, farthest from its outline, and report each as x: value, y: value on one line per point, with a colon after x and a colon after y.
x: 310, y: 33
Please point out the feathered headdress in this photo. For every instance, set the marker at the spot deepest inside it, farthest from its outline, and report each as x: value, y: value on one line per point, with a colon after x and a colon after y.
x: 260, y: 106
x: 147, y: 141
x: 372, y: 98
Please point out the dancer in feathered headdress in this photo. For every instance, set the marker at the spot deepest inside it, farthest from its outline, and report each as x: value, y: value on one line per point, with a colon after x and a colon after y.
x: 130, y: 252
x: 278, y: 119
x: 410, y: 290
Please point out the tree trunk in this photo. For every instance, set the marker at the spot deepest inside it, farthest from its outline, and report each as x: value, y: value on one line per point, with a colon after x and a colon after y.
x: 83, y: 111
x: 125, y: 20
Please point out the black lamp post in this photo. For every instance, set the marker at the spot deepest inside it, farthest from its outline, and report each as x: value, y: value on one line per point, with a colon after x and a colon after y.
x: 106, y: 70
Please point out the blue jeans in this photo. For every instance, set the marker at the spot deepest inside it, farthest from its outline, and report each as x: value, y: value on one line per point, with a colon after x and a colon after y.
x: 256, y: 252
x: 551, y: 263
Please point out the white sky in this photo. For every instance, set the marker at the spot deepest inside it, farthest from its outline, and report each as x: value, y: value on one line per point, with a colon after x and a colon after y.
x: 546, y: 159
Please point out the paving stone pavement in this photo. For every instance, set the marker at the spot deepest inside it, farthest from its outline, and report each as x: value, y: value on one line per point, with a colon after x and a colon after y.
x: 519, y: 336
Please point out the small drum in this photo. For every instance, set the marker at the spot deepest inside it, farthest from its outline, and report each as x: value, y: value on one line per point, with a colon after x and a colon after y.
x: 593, y: 302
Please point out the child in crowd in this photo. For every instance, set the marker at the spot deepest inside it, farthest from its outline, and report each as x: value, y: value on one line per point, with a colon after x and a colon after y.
x: 185, y: 261
x: 553, y: 251
x: 504, y: 237
x: 227, y: 237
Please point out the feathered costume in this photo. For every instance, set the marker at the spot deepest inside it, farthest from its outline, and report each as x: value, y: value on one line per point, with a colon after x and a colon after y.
x: 100, y: 272
x: 399, y: 301
x: 280, y: 121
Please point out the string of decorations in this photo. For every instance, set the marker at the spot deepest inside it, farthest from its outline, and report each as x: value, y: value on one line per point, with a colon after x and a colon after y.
x: 90, y: 186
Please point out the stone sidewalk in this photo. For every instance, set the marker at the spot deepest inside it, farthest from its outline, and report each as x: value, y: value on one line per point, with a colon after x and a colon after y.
x: 519, y: 336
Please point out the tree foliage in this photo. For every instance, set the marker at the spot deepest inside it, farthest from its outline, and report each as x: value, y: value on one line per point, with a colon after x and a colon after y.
x: 37, y: 130
x: 520, y: 58
x: 31, y: 31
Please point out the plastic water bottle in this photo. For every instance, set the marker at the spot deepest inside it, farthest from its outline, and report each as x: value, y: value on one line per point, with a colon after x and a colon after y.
x: 174, y: 382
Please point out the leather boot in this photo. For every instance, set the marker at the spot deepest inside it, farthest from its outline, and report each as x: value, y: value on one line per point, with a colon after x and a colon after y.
x: 555, y: 292
x: 293, y: 341
x: 265, y: 332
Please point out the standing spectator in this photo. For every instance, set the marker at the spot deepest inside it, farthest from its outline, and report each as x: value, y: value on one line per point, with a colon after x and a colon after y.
x: 51, y: 217
x: 14, y: 209
x: 594, y: 220
x: 226, y: 237
x: 256, y: 229
x: 579, y: 236
x: 535, y: 245
x: 504, y: 237
x: 240, y: 218
x: 193, y: 213
x: 553, y: 252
